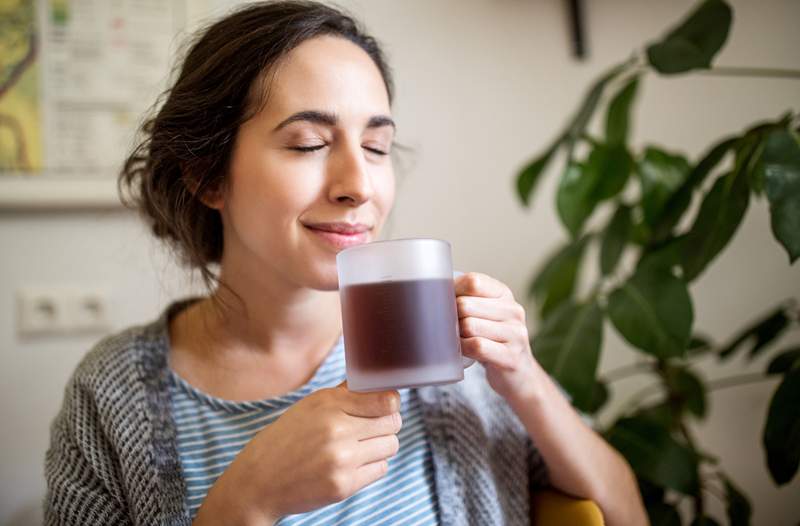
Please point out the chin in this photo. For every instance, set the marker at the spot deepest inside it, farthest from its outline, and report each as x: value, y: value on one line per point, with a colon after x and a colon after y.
x: 325, y: 280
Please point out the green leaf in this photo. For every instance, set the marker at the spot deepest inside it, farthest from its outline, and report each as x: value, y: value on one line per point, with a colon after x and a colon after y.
x: 618, y: 116
x: 578, y: 124
x: 782, y: 430
x: 663, y: 514
x: 785, y: 361
x: 755, y: 138
x: 529, y: 176
x: 555, y: 281
x: 650, y: 492
x: 761, y: 333
x: 679, y: 202
x: 661, y: 174
x: 653, y: 311
x: 615, y: 237
x: 699, y: 345
x: 666, y: 256
x: 689, y: 390
x: 654, y: 455
x: 574, y: 198
x: 694, y: 43
x: 780, y: 166
x: 660, y: 414
x: 583, y: 186
x: 705, y: 520
x: 600, y: 395
x: 612, y: 165
x: 737, y: 506
x: 568, y: 348
x: 720, y: 214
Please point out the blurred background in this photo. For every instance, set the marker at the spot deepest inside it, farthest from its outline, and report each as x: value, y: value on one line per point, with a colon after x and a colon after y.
x: 482, y: 86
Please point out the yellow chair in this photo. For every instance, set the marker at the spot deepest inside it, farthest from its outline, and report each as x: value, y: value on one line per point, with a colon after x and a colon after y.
x: 553, y: 508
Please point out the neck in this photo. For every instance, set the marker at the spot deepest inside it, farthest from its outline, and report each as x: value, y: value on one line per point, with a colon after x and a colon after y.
x: 260, y: 311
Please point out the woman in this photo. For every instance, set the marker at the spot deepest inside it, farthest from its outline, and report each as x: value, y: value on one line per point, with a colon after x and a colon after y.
x: 232, y: 408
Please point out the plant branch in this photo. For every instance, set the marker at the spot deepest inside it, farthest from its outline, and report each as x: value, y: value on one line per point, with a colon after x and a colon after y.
x: 699, y: 504
x: 733, y: 381
x: 733, y: 71
x: 625, y: 371
x: 637, y: 396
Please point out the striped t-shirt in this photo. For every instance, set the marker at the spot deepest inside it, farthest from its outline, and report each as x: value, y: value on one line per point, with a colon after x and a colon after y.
x: 212, y: 431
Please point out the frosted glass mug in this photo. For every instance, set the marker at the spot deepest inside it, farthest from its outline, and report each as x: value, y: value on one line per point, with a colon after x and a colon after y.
x: 399, y: 314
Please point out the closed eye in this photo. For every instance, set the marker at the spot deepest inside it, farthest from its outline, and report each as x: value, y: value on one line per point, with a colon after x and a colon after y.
x: 306, y: 149
x: 375, y: 151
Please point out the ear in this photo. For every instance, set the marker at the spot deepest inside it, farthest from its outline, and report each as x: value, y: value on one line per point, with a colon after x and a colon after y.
x: 210, y: 196
x: 213, y: 198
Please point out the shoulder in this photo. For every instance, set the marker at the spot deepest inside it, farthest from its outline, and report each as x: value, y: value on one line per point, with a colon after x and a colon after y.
x: 108, y: 440
x: 114, y: 378
x: 112, y: 352
x: 112, y: 362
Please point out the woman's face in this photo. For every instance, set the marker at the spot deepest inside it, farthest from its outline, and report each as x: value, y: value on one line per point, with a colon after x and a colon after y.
x: 317, y: 152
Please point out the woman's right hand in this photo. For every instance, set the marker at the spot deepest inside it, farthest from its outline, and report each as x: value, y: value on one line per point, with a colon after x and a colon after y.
x: 323, y: 449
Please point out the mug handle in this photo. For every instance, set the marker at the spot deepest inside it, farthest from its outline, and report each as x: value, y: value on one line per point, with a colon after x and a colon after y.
x: 466, y: 362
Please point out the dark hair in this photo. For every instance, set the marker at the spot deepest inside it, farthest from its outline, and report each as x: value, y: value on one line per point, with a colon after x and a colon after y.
x: 187, y: 146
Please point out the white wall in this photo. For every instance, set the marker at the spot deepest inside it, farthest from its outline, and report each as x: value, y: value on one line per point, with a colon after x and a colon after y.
x: 481, y: 86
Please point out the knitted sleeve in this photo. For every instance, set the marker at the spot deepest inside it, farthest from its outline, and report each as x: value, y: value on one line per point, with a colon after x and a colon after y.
x: 538, y: 476
x: 82, y: 477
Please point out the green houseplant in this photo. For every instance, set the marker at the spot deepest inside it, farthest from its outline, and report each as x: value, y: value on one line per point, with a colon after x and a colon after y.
x: 646, y: 194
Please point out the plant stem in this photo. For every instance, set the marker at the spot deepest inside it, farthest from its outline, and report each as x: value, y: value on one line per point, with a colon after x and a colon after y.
x: 733, y: 71
x: 625, y: 371
x: 699, y: 505
x: 637, y: 396
x: 733, y: 381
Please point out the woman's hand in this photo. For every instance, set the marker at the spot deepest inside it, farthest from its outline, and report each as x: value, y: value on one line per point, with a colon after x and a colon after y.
x: 493, y: 332
x: 323, y: 449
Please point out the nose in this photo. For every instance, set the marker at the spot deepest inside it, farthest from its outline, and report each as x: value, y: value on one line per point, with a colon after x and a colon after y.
x: 351, y: 182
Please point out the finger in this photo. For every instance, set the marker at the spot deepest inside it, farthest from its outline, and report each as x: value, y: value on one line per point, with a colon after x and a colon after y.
x: 379, y: 403
x: 376, y: 449
x: 477, y: 284
x: 499, y: 331
x: 369, y: 473
x: 487, y: 352
x: 366, y: 428
x: 489, y: 308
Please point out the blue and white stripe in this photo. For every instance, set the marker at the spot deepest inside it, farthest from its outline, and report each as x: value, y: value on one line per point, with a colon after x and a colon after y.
x: 212, y: 431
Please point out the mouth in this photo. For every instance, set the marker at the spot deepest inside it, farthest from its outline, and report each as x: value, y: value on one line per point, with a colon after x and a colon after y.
x: 339, y: 240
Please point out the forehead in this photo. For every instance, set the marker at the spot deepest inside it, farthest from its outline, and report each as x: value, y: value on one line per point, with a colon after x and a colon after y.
x: 327, y: 73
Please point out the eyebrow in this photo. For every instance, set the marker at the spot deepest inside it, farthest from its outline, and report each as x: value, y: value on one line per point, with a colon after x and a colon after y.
x: 331, y: 119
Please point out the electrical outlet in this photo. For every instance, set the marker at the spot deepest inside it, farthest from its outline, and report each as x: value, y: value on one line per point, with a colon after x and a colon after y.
x: 39, y: 312
x: 87, y: 311
x: 62, y: 309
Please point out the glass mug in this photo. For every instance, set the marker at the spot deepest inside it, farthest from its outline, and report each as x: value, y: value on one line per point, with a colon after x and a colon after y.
x: 399, y: 315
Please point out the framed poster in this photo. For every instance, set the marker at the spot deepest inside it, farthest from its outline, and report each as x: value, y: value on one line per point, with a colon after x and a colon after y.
x: 76, y: 79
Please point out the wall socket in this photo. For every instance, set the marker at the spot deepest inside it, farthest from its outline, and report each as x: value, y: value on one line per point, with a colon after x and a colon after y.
x: 62, y: 309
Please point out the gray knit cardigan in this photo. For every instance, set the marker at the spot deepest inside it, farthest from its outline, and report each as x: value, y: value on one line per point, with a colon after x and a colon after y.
x: 113, y: 459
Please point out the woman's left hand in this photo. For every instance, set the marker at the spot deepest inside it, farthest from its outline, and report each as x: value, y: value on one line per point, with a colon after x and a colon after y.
x: 494, y: 332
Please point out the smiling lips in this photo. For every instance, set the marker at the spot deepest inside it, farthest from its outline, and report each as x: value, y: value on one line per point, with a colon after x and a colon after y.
x: 341, y: 235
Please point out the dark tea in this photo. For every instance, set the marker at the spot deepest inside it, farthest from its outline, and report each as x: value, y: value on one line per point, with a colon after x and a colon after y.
x: 401, y: 325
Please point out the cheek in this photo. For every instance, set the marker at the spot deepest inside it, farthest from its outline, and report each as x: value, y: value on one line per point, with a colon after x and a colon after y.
x: 265, y: 197
x: 385, y: 191
x: 264, y: 179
